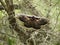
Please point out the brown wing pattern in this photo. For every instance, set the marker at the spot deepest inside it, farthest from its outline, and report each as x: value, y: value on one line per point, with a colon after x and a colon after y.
x: 33, y: 21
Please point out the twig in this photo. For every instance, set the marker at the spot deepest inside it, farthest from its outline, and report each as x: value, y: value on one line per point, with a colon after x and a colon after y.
x: 49, y: 9
x: 8, y: 35
x: 56, y: 21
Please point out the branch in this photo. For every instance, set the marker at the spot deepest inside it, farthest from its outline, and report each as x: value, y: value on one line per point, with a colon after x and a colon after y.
x: 15, y: 7
x: 12, y: 21
x: 5, y: 7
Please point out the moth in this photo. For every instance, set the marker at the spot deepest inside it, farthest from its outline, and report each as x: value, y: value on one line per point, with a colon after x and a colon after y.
x: 33, y: 21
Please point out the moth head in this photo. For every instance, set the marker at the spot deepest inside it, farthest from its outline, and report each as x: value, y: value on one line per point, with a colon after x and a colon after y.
x: 43, y: 21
